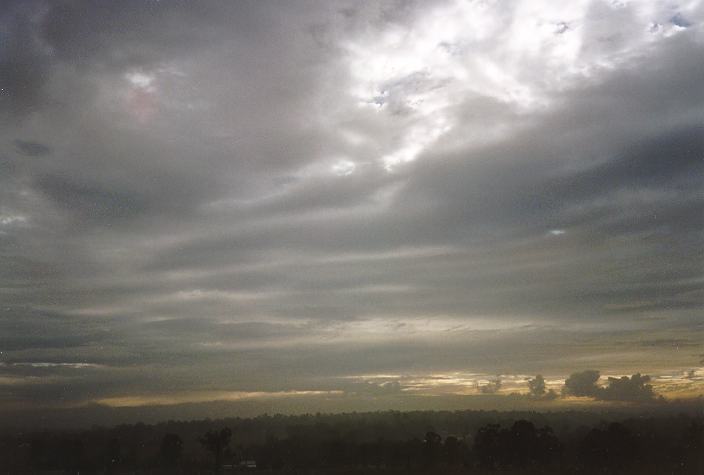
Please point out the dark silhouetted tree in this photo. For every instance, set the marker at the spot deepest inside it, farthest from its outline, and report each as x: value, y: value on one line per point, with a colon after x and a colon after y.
x: 487, y: 446
x: 171, y: 449
x: 432, y: 446
x: 113, y: 454
x: 520, y: 446
x: 74, y: 453
x: 453, y: 449
x: 692, y: 448
x: 548, y: 446
x: 610, y: 448
x: 216, y: 442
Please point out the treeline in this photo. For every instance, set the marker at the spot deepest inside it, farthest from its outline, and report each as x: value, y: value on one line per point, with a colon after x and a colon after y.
x: 386, y: 442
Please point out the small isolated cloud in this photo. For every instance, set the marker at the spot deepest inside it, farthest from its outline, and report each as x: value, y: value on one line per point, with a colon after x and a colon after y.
x: 679, y: 20
x: 344, y: 168
x: 561, y: 27
x: 491, y: 387
x: 7, y: 220
x: 31, y: 149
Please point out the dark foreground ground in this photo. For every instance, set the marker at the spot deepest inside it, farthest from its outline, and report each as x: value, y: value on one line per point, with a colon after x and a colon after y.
x: 478, y: 442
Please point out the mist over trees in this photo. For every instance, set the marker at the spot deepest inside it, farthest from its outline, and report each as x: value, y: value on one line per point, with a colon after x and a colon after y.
x: 395, y: 442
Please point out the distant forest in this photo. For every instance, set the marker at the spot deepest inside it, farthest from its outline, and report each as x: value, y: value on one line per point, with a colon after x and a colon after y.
x: 581, y: 442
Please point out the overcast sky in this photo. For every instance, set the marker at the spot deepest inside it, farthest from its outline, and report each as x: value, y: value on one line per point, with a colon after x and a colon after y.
x: 233, y: 200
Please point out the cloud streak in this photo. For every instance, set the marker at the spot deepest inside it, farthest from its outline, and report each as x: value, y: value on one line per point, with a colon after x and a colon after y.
x: 257, y: 198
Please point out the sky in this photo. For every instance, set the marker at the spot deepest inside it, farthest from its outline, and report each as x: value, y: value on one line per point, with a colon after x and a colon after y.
x: 363, y: 203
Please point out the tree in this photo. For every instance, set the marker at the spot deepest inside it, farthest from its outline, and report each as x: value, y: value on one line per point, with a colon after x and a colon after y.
x: 519, y: 446
x: 487, y: 445
x: 692, y: 447
x: 610, y: 448
x: 453, y: 448
x: 432, y: 445
x: 537, y: 386
x: 112, y: 454
x: 171, y: 449
x: 215, y: 442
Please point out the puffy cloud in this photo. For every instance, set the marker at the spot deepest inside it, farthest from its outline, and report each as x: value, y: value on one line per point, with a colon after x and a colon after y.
x: 490, y: 387
x: 537, y: 389
x: 633, y: 389
x: 624, y: 388
x: 583, y: 383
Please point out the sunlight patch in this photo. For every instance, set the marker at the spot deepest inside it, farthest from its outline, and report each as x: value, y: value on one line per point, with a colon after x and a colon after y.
x: 10, y: 220
x: 344, y: 168
x: 210, y: 396
x: 415, y: 76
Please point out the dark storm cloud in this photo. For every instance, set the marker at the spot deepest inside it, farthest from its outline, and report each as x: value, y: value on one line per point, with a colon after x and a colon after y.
x: 250, y: 196
x: 91, y: 202
x: 24, y: 329
x: 659, y: 163
x: 24, y: 67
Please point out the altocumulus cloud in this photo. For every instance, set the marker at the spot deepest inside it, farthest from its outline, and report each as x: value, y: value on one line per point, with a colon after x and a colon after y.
x: 245, y: 198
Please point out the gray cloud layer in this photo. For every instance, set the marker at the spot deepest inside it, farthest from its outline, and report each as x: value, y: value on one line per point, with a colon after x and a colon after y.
x: 266, y: 197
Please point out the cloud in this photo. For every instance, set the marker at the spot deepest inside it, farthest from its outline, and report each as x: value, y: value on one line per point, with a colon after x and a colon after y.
x: 91, y: 202
x: 32, y: 149
x: 259, y: 198
x: 491, y: 387
x: 624, y: 388
x: 24, y: 64
x: 633, y: 389
x: 582, y: 384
